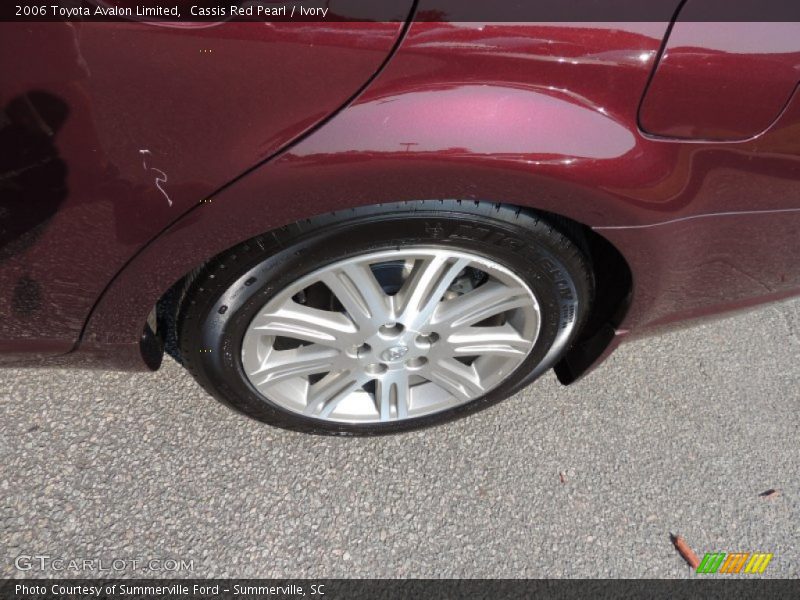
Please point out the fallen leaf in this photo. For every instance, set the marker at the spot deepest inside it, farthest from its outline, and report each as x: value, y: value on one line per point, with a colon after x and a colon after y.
x: 685, y: 551
x: 770, y: 493
x: 562, y: 477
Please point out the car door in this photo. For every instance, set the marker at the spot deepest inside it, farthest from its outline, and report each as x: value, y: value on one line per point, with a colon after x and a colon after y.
x: 727, y: 71
x: 111, y: 131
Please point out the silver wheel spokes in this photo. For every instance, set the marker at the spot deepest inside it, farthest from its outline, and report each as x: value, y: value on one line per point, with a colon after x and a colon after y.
x: 391, y: 335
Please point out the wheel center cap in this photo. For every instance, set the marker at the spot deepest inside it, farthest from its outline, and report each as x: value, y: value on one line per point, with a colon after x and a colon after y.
x: 394, y: 353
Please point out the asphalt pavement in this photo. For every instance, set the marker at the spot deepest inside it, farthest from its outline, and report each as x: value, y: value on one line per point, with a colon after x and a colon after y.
x: 684, y: 433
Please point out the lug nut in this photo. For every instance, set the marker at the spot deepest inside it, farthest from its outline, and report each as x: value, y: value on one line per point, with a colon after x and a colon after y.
x: 391, y: 330
x: 376, y: 369
x: 427, y: 340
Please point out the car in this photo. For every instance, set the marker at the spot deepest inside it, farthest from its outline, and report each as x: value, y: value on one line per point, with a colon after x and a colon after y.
x: 363, y: 225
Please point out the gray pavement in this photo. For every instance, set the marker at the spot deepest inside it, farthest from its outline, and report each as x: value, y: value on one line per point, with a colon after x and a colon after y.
x: 679, y: 433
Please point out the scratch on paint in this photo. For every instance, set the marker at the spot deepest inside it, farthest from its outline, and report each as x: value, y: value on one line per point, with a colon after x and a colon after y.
x: 162, y: 176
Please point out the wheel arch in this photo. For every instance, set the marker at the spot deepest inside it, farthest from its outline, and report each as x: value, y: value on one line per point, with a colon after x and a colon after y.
x: 583, y: 182
x: 613, y: 293
x: 136, y: 304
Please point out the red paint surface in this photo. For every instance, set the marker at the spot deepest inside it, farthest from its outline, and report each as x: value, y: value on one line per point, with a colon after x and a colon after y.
x: 722, y: 81
x: 205, y: 104
x: 541, y: 116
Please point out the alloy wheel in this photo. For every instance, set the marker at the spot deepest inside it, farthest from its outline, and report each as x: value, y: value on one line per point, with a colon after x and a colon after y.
x: 391, y: 335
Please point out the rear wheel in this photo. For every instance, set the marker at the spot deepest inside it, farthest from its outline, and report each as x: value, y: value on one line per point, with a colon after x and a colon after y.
x: 384, y: 318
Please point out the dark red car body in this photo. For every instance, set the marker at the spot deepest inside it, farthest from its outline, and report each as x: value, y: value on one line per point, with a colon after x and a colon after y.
x: 677, y: 146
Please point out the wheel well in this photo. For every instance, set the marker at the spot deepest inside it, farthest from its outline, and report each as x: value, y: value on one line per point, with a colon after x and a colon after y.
x: 613, y: 292
x: 167, y: 309
x: 613, y: 287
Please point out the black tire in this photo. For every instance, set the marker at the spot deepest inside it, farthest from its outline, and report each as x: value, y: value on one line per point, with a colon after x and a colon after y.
x: 225, y: 294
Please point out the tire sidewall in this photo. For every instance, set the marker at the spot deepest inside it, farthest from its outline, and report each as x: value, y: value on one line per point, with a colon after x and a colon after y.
x: 559, y: 284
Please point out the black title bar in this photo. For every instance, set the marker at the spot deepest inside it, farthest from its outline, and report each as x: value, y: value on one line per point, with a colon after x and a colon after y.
x: 220, y: 11
x: 387, y: 589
